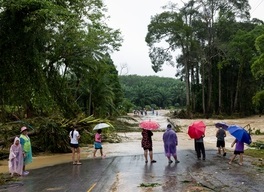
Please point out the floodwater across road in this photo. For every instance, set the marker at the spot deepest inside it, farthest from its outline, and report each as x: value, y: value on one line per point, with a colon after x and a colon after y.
x: 124, y: 168
x: 130, y: 173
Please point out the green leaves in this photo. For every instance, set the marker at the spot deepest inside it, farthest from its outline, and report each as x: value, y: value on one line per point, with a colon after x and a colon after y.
x: 48, y: 48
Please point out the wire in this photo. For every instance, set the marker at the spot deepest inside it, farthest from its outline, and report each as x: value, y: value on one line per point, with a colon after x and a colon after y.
x: 257, y: 6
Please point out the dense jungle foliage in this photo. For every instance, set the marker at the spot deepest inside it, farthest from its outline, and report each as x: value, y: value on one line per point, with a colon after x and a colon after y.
x: 221, y: 54
x: 56, y: 71
x: 153, y: 92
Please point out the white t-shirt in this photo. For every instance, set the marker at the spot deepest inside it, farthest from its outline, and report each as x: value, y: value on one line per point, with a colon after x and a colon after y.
x: 74, y: 139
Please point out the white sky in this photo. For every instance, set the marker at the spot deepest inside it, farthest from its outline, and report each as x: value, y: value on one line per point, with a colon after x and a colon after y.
x: 132, y: 18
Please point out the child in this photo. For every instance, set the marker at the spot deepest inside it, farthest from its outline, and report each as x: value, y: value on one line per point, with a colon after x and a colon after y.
x: 239, y: 150
x: 16, y: 160
x: 199, y: 147
x: 98, y: 143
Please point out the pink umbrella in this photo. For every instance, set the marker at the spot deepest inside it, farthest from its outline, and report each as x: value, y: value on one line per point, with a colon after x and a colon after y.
x: 149, y: 125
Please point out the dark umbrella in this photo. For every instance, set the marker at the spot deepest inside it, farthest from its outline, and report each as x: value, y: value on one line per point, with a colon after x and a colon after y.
x: 196, y: 129
x: 221, y: 124
x: 239, y: 133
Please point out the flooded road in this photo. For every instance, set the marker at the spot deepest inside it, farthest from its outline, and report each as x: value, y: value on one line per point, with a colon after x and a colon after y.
x: 130, y: 173
x: 124, y: 168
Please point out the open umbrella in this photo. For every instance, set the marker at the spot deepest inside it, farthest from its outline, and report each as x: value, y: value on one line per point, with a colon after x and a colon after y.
x: 101, y: 126
x: 221, y: 124
x: 149, y: 125
x: 196, y: 129
x: 239, y: 133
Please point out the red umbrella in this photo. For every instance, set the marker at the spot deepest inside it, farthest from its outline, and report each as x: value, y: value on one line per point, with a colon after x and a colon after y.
x: 196, y: 129
x: 149, y: 125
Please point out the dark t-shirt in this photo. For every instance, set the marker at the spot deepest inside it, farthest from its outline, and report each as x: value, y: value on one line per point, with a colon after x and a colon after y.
x: 221, y: 135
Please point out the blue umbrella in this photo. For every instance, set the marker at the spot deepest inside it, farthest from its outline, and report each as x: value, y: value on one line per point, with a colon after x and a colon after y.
x: 221, y: 124
x: 239, y: 133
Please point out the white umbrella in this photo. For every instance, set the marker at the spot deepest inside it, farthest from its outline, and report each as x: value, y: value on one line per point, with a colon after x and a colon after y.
x: 101, y: 126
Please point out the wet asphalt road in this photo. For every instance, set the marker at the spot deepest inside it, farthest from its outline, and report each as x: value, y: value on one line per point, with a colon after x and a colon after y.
x: 126, y: 173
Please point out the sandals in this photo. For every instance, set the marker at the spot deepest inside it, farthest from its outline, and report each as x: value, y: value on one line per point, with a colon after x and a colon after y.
x: 74, y: 163
x: 153, y: 161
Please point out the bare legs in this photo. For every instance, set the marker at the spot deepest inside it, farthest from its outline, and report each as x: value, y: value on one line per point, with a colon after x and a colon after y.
x: 76, y: 150
x: 150, y: 153
x: 240, y: 159
x: 146, y: 155
x: 223, y: 149
x: 101, y: 152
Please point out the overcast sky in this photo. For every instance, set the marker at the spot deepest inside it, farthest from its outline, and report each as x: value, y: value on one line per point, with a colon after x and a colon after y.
x: 132, y: 18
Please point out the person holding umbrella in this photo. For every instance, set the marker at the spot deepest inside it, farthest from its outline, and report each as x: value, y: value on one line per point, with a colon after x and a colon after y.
x: 146, y: 141
x: 98, y: 143
x: 199, y: 147
x: 242, y: 136
x: 239, y: 150
x: 197, y: 131
x: 146, y: 144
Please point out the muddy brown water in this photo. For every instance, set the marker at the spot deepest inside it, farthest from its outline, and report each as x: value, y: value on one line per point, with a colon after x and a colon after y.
x: 131, y: 141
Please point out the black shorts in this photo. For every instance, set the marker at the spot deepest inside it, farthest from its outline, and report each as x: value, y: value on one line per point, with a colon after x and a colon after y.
x: 74, y: 145
x: 238, y: 152
x: 220, y: 143
x: 150, y: 149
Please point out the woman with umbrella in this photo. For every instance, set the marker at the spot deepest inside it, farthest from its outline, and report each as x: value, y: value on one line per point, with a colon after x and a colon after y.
x: 146, y: 141
x: 146, y: 144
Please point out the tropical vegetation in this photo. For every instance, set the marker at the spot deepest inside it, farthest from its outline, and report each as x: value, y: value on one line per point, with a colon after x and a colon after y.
x: 55, y: 64
x: 221, y: 54
x: 56, y: 70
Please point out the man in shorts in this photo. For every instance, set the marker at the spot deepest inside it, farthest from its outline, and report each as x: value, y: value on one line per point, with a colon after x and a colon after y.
x: 220, y: 143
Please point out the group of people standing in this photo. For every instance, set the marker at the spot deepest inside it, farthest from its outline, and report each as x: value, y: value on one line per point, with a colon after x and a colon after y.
x: 74, y: 143
x: 20, y: 154
x: 170, y: 141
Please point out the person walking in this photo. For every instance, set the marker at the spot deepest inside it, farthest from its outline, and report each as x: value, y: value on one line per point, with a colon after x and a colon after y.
x: 199, y: 147
x: 170, y: 141
x: 26, y: 147
x: 74, y: 136
x: 15, y: 160
x: 146, y: 144
x: 220, y: 143
x: 98, y: 143
x: 239, y: 150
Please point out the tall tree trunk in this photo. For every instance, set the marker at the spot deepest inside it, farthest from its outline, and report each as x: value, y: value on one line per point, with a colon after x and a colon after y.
x: 238, y: 85
x: 187, y: 82
x: 219, y: 92
x: 203, y: 87
x: 90, y: 101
